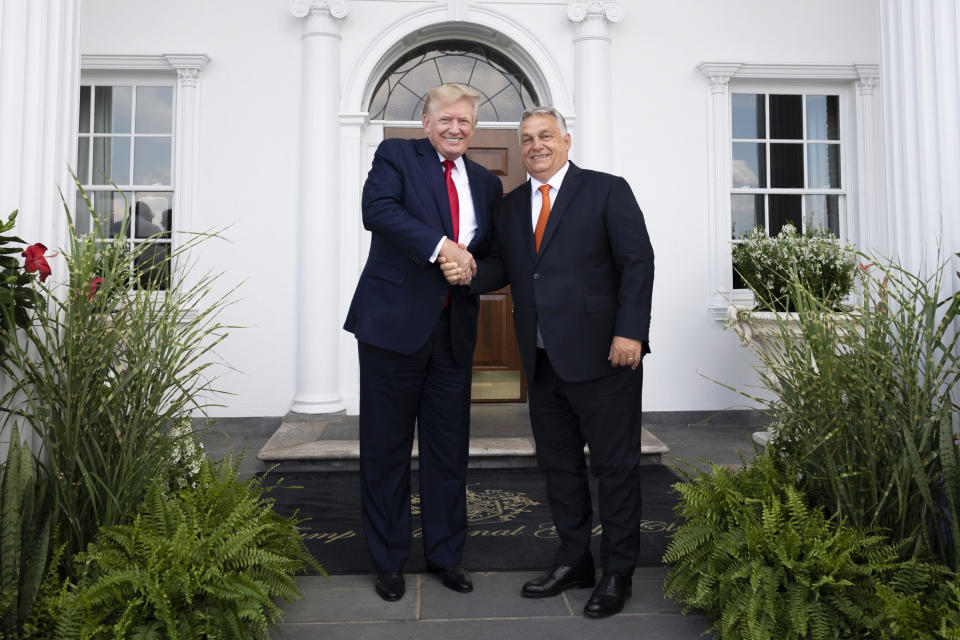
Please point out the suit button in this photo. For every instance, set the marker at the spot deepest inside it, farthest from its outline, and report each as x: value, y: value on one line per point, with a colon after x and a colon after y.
x: 536, y: 276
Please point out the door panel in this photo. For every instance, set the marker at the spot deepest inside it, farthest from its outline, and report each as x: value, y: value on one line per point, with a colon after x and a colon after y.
x: 498, y: 374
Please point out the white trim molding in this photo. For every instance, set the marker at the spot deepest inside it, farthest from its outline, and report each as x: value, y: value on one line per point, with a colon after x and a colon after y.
x: 864, y: 218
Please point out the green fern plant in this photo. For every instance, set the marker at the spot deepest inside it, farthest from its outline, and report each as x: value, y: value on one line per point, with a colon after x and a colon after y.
x: 204, y: 562
x: 26, y: 515
x: 763, y: 564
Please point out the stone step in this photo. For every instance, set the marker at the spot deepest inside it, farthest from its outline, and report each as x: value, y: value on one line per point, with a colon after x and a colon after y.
x: 316, y: 443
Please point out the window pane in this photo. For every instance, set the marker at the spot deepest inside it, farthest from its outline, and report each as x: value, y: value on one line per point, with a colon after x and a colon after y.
x: 85, y: 109
x: 749, y: 164
x: 420, y: 79
x: 153, y: 215
x: 403, y: 105
x: 784, y: 209
x: 749, y: 119
x: 111, y: 161
x: 823, y: 166
x: 112, y: 109
x: 823, y: 212
x: 154, y: 109
x: 456, y: 68
x: 823, y: 117
x: 746, y: 212
x: 151, y: 161
x: 786, y: 117
x: 81, y: 215
x: 109, y: 207
x: 83, y: 160
x: 786, y: 165
x: 152, y: 265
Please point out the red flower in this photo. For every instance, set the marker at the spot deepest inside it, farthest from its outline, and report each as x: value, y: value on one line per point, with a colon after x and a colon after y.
x: 34, y: 260
x: 94, y: 284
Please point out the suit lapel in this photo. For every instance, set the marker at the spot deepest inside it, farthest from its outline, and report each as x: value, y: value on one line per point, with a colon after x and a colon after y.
x: 521, y: 211
x: 568, y: 188
x: 433, y: 172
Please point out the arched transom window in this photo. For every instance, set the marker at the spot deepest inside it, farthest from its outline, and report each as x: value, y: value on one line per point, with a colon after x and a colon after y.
x: 505, y: 88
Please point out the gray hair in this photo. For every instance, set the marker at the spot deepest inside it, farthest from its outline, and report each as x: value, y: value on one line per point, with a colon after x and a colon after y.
x: 545, y: 110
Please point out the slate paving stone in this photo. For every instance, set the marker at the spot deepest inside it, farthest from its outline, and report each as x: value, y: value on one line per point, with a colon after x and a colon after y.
x: 354, y: 603
x: 494, y: 595
x: 650, y: 626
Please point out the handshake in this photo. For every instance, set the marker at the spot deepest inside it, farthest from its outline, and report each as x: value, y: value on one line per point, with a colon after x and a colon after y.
x: 456, y: 263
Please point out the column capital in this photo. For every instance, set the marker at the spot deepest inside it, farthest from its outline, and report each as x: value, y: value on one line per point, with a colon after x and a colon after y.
x: 333, y: 8
x: 580, y: 10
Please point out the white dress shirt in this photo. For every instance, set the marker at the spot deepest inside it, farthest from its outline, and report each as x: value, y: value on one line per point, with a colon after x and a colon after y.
x: 468, y: 217
x: 536, y: 198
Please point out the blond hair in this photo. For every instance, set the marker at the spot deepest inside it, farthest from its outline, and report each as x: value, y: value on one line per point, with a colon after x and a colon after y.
x: 449, y: 93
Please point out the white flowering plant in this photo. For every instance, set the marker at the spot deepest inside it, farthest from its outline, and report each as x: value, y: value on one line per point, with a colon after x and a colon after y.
x: 772, y: 267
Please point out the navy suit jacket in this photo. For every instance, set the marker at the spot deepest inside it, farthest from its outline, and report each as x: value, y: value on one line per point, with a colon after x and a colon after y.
x: 591, y: 280
x: 401, y: 294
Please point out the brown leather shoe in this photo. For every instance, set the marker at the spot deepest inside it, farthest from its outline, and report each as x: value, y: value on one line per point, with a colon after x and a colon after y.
x: 609, y: 597
x: 560, y: 578
x: 389, y: 585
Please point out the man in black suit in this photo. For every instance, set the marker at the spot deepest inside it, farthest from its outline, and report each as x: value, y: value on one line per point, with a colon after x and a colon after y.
x: 573, y: 245
x: 423, y: 201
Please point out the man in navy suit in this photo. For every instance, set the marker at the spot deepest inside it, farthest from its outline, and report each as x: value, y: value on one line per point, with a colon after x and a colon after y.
x: 573, y: 245
x: 423, y: 201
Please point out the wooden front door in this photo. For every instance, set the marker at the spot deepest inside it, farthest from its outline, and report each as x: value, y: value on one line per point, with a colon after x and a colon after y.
x: 498, y: 374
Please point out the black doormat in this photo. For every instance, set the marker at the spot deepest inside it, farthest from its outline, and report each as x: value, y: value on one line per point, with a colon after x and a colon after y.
x: 510, y: 527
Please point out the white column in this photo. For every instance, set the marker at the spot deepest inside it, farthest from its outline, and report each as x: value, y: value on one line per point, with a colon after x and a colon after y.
x: 318, y: 230
x: 921, y: 123
x: 351, y: 240
x: 39, y: 89
x: 871, y: 225
x: 187, y: 144
x: 593, y: 144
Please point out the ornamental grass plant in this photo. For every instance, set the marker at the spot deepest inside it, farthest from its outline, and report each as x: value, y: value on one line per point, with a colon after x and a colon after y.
x: 769, y: 265
x: 867, y: 414
x: 106, y: 365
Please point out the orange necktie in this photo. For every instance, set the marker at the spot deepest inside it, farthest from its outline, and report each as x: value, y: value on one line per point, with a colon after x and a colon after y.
x: 544, y: 214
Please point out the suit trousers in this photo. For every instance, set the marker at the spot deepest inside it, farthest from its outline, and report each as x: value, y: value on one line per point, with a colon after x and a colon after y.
x: 431, y: 390
x: 605, y: 414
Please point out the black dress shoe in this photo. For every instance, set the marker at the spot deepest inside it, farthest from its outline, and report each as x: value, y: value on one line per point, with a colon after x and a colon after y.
x: 608, y: 598
x: 559, y: 578
x: 389, y: 585
x: 454, y: 577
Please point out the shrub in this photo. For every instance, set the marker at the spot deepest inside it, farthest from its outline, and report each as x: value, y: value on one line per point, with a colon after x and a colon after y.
x: 763, y: 564
x: 105, y: 368
x: 768, y: 266
x: 865, y: 413
x: 17, y: 297
x: 26, y: 514
x: 202, y: 562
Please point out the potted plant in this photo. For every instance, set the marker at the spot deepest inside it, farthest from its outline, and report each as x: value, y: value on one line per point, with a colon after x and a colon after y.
x: 775, y: 269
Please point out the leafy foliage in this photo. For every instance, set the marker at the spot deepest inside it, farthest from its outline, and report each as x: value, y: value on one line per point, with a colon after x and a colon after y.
x: 864, y: 410
x: 204, y: 562
x: 17, y: 297
x: 26, y: 514
x: 104, y: 371
x: 763, y: 564
x: 769, y: 266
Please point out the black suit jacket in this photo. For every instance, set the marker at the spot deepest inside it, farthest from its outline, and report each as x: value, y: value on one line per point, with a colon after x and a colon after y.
x: 592, y: 279
x: 401, y: 294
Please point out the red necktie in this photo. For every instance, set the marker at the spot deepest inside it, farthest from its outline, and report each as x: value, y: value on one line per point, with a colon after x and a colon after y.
x: 454, y: 199
x: 544, y: 214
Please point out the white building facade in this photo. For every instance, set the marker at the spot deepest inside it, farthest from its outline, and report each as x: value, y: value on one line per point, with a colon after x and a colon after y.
x: 719, y: 115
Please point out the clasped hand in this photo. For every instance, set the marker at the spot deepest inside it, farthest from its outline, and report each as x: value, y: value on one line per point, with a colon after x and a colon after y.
x: 456, y: 263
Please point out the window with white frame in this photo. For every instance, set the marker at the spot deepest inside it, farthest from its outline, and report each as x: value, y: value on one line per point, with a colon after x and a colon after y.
x: 786, y: 155
x: 125, y: 157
